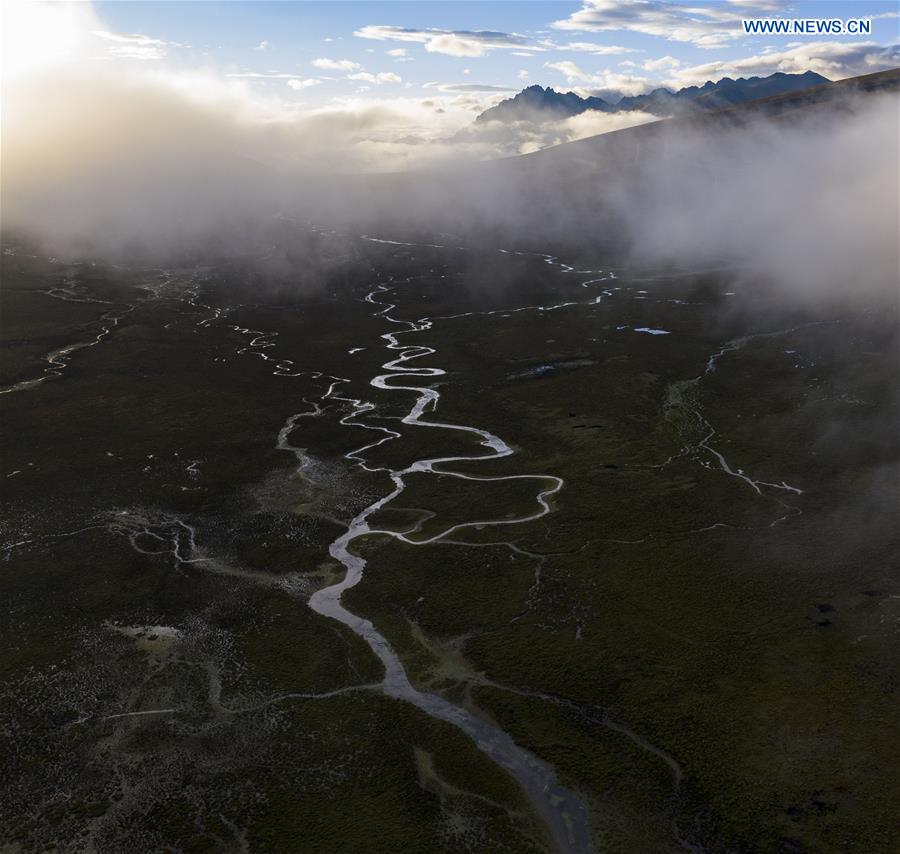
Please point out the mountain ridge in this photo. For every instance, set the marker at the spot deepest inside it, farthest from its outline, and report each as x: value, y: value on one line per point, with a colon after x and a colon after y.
x: 539, y: 104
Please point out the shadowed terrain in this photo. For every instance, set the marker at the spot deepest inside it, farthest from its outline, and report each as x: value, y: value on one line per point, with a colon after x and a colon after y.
x: 625, y: 533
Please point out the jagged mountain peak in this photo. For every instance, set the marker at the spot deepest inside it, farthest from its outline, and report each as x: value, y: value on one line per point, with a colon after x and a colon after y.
x: 537, y: 103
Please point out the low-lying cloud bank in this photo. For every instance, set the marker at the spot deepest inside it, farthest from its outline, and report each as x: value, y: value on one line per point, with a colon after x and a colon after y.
x: 810, y: 202
x: 114, y: 160
x: 160, y: 162
x: 805, y: 202
x: 509, y: 138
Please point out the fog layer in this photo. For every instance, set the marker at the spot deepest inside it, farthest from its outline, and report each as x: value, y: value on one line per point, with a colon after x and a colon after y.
x: 106, y: 165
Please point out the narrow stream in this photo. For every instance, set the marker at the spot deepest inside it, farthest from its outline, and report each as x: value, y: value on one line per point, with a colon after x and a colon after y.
x: 564, y: 815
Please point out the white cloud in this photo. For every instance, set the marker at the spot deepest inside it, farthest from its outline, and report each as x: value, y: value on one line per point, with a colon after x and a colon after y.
x: 713, y: 25
x: 336, y: 64
x: 298, y: 84
x: 607, y: 84
x: 453, y: 45
x: 572, y: 72
x: 397, y: 52
x: 377, y: 79
x: 480, y: 42
x: 522, y: 74
x: 834, y: 60
x: 250, y: 75
x: 263, y: 45
x: 130, y: 38
x: 449, y: 42
x: 466, y: 87
x: 135, y: 45
x: 664, y: 63
x: 128, y: 52
x: 593, y: 122
x: 504, y: 139
x: 590, y: 47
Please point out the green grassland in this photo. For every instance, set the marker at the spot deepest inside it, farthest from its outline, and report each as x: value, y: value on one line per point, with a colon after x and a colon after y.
x: 700, y: 660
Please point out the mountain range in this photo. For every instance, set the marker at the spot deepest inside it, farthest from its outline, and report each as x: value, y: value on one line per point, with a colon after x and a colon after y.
x: 537, y: 104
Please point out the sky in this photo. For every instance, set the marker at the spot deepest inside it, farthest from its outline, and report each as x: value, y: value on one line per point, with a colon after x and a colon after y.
x: 401, y: 82
x: 334, y: 50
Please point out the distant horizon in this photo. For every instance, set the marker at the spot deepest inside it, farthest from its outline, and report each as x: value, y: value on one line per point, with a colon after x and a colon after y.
x: 394, y: 85
x: 550, y: 88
